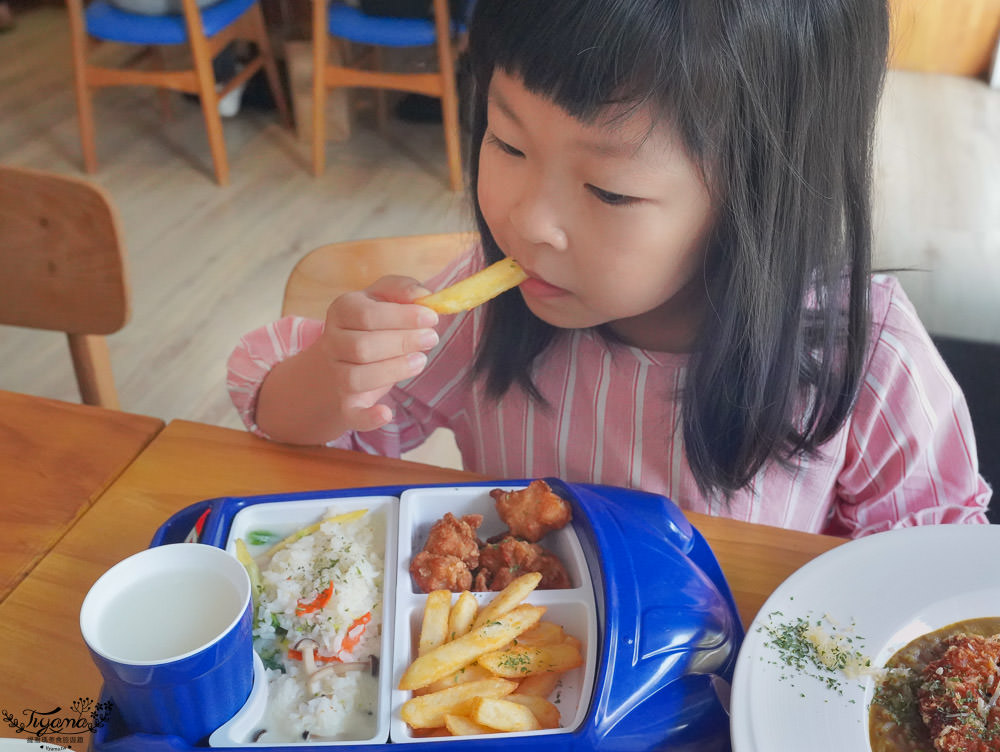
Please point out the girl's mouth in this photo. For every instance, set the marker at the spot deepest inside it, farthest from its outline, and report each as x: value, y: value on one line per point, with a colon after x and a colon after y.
x: 535, y: 287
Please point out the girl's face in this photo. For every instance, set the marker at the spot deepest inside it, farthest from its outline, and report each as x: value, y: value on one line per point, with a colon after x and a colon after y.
x: 608, y: 218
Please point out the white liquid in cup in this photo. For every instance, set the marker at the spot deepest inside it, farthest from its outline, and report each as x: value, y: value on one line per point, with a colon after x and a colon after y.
x: 167, y: 615
x: 163, y: 604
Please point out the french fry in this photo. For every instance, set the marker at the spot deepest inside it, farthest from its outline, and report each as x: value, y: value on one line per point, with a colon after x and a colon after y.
x: 502, y: 715
x: 476, y: 289
x: 434, y: 627
x: 430, y: 733
x: 519, y: 661
x: 472, y: 672
x: 459, y: 725
x: 545, y: 712
x: 543, y: 633
x: 540, y: 685
x: 508, y: 598
x: 447, y: 658
x: 429, y: 711
x: 571, y: 640
x: 463, y: 613
x: 253, y: 569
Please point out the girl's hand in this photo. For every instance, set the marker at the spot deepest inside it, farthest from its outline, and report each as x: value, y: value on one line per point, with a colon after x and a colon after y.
x: 372, y: 340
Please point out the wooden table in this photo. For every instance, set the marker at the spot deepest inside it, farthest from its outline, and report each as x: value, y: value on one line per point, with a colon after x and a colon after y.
x: 56, y: 458
x: 45, y: 662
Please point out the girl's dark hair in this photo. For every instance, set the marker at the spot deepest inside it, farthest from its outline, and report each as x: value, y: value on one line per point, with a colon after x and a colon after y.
x: 776, y: 101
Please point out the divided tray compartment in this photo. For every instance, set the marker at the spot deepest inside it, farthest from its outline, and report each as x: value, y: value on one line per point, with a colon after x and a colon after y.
x: 284, y: 518
x: 572, y: 608
x: 648, y: 599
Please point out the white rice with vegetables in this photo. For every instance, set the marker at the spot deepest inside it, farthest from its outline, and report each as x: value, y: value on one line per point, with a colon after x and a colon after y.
x: 318, y: 630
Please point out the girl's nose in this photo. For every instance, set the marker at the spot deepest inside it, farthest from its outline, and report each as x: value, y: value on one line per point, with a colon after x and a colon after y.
x: 537, y: 221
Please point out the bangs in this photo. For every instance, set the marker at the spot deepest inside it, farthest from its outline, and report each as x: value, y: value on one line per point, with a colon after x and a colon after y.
x: 586, y: 56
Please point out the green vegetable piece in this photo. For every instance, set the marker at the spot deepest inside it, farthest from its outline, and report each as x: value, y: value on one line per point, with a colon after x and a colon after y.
x: 261, y: 537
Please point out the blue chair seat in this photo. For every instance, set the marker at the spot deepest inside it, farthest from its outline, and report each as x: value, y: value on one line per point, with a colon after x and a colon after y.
x: 350, y: 23
x: 105, y: 21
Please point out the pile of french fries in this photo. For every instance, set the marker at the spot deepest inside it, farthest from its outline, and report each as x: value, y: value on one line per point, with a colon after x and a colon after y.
x: 489, y: 670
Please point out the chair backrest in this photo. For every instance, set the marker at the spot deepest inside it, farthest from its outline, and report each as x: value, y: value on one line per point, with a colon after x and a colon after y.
x: 63, y: 266
x: 331, y: 270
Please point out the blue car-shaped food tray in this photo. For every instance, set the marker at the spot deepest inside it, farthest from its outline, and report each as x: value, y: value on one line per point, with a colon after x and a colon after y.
x: 667, y: 628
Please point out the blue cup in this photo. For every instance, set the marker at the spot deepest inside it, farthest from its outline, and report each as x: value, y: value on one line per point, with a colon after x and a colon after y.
x: 170, y: 630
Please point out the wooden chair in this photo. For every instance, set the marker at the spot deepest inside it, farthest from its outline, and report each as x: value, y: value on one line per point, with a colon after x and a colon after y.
x: 206, y: 31
x: 351, y: 25
x: 331, y: 270
x: 63, y: 269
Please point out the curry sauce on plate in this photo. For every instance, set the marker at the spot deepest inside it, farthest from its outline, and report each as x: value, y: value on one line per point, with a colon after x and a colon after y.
x: 941, y: 692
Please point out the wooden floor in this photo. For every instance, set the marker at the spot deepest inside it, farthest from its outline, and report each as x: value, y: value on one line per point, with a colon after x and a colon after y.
x: 209, y: 263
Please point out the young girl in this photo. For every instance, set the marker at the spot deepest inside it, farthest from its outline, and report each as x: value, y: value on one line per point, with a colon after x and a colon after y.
x: 687, y: 184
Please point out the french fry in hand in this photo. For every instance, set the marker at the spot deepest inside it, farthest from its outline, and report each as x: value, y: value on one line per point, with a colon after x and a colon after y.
x: 459, y: 725
x: 502, y: 715
x: 476, y: 289
x: 508, y: 598
x: 463, y: 613
x: 545, y: 712
x: 520, y: 661
x: 429, y: 711
x: 448, y: 658
x: 434, y: 627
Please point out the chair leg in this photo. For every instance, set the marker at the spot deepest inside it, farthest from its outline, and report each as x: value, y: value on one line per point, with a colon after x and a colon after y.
x: 320, y: 55
x: 449, y: 95
x: 210, y: 108
x: 270, y: 67
x: 92, y: 365
x: 84, y: 104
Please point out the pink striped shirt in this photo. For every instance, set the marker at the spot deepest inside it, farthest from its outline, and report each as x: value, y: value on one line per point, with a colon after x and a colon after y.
x: 906, y: 456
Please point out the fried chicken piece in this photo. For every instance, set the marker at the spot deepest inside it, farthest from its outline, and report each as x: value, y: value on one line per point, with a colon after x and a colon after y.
x: 959, y: 695
x: 440, y: 572
x: 451, y: 536
x: 532, y: 512
x: 502, y: 562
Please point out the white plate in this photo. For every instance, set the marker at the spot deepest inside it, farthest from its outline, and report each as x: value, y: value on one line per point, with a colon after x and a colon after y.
x: 893, y: 587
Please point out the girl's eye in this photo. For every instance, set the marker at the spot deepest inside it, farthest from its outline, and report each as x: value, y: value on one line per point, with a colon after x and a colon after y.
x: 612, y: 199
x: 504, y: 146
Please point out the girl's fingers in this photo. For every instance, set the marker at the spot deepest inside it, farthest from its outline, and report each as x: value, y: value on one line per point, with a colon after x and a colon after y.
x: 358, y: 347
x: 397, y: 289
x: 372, y: 340
x: 362, y: 378
x: 362, y: 311
x: 370, y: 418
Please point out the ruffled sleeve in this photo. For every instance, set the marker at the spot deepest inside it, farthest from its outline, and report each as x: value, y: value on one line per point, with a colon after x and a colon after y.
x: 262, y: 349
x: 257, y: 353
